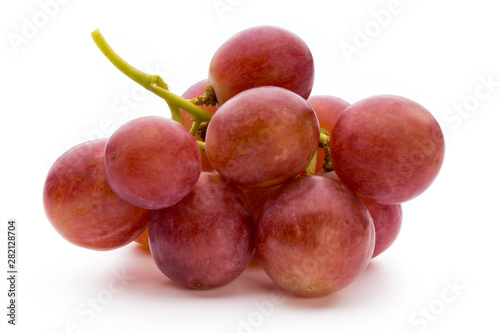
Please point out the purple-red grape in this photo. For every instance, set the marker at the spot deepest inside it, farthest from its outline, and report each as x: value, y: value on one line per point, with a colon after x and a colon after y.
x: 262, y: 137
x: 152, y: 162
x: 387, y: 148
x: 206, y: 240
x: 314, y: 236
x: 387, y: 220
x: 81, y: 206
x: 261, y: 56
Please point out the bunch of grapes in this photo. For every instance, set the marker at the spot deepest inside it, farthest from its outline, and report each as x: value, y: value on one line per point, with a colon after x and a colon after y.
x: 250, y: 164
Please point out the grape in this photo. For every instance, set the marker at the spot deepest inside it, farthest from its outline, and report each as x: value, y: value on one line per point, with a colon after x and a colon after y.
x: 81, y: 206
x: 314, y: 236
x: 257, y: 197
x: 194, y: 91
x: 152, y: 162
x: 206, y: 240
x: 262, y: 137
x: 261, y: 56
x: 387, y: 220
x: 387, y: 148
x: 328, y: 109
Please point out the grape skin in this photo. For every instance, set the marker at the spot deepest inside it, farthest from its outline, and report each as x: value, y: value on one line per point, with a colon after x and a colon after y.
x: 387, y: 148
x: 152, y: 162
x: 262, y: 137
x: 387, y: 220
x: 261, y: 56
x: 314, y: 236
x: 82, y: 207
x: 206, y: 240
x: 257, y: 197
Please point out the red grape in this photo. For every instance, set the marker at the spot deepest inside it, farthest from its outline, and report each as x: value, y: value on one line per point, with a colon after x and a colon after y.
x: 314, y: 236
x: 387, y: 220
x: 261, y: 56
x: 387, y: 148
x: 152, y: 162
x: 206, y: 240
x: 262, y: 137
x: 81, y: 206
x: 328, y: 110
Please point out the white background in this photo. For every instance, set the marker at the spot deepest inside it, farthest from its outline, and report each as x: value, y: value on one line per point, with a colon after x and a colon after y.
x: 57, y: 90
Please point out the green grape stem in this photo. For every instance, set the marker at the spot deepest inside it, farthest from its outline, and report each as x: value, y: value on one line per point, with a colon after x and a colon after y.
x: 176, y: 113
x: 324, y: 142
x: 195, y: 126
x: 208, y: 97
x: 201, y: 144
x: 153, y: 83
x: 202, y: 130
x: 311, y: 167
